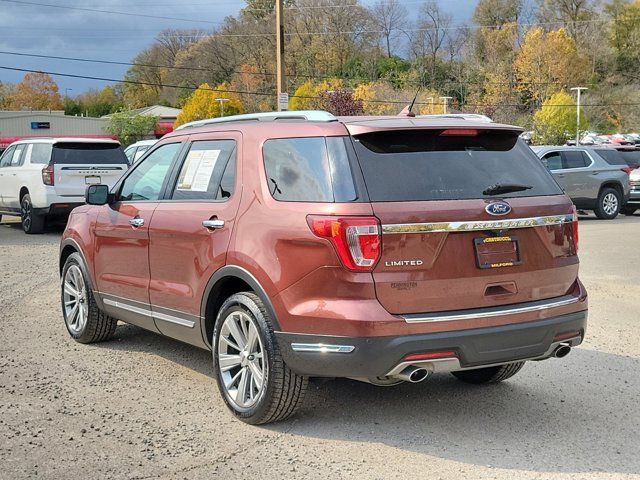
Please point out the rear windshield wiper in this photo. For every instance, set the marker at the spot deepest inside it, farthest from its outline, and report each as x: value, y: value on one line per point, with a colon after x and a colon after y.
x: 498, y: 188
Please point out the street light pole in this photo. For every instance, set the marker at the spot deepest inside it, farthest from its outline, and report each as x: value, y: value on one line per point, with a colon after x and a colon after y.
x: 280, y: 78
x: 579, y: 91
x: 444, y: 103
x: 222, y: 101
x: 431, y: 100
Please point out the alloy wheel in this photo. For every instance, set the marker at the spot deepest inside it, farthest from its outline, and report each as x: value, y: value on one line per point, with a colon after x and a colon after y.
x: 241, y: 360
x: 75, y: 300
x: 610, y: 204
x: 26, y: 212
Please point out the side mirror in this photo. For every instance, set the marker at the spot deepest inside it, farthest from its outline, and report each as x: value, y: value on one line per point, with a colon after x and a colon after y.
x: 97, y: 195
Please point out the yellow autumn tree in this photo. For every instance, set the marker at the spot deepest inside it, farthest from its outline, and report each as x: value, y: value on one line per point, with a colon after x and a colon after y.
x: 380, y: 98
x: 555, y: 122
x: 36, y: 91
x: 306, y: 96
x: 203, y: 103
x: 547, y: 63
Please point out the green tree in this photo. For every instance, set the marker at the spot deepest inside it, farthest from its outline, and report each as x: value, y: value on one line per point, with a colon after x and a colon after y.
x: 624, y: 35
x: 130, y: 127
x: 555, y: 122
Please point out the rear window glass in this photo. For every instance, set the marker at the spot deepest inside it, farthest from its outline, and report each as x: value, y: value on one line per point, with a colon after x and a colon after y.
x: 631, y: 157
x: 40, y: 153
x: 314, y: 169
x: 575, y: 159
x: 88, y: 153
x: 416, y: 165
x: 612, y: 157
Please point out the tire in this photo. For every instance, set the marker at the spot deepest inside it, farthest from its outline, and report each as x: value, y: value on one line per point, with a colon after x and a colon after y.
x: 609, y: 203
x: 489, y: 374
x: 31, y: 222
x: 628, y: 210
x: 88, y: 324
x: 281, y: 391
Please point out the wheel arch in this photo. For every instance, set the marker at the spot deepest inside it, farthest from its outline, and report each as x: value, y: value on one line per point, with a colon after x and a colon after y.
x: 616, y: 185
x: 225, y: 282
x: 23, y: 191
x: 68, y: 247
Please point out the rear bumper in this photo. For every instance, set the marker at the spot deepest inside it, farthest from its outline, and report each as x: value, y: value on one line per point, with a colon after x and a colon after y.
x: 58, y: 209
x: 333, y: 356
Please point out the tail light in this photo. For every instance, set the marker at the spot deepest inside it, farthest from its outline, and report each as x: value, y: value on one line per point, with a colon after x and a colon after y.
x: 459, y: 132
x: 574, y: 228
x: 48, y: 175
x: 356, y: 239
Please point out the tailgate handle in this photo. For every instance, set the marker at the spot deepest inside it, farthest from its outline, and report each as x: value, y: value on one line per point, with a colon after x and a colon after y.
x: 508, y: 288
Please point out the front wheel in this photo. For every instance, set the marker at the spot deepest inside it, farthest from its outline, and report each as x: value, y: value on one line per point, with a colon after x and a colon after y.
x: 253, y: 379
x: 609, y: 203
x: 489, y: 374
x: 85, y: 322
x: 31, y: 221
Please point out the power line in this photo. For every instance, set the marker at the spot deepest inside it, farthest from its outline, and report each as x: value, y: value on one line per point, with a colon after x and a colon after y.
x: 95, y: 10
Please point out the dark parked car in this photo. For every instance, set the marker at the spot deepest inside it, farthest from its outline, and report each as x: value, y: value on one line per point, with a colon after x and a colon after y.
x: 594, y: 182
x: 296, y: 245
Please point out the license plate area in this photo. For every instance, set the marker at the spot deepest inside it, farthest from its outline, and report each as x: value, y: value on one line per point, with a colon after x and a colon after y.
x: 92, y: 180
x: 497, y: 252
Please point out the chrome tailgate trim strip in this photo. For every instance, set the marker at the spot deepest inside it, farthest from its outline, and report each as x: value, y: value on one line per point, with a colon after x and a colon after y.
x: 492, y: 311
x: 472, y: 226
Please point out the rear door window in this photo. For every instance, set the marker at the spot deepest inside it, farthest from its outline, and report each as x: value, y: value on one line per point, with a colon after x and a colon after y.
x: 311, y: 169
x: 417, y: 165
x: 84, y: 153
x: 202, y: 170
x: 575, y: 159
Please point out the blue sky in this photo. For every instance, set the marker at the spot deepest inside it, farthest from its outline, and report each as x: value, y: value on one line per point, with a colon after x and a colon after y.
x: 74, y: 33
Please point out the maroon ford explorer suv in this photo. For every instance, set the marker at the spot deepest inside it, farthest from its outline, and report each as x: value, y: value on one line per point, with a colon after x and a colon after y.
x: 296, y: 245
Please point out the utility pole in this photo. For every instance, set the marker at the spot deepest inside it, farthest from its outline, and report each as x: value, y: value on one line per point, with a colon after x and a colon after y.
x: 444, y: 103
x: 280, y: 78
x: 578, y: 90
x: 222, y: 102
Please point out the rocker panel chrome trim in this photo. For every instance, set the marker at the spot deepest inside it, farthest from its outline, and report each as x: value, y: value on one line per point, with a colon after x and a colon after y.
x: 149, y: 313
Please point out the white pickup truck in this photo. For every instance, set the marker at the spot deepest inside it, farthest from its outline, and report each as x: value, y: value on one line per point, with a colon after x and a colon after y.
x: 48, y: 176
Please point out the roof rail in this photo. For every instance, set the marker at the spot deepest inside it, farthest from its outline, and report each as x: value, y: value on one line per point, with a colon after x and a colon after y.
x: 308, y: 115
x: 462, y: 116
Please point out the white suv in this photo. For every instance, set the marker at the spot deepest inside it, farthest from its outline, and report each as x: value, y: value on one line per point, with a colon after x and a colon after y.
x: 135, y: 151
x: 48, y: 176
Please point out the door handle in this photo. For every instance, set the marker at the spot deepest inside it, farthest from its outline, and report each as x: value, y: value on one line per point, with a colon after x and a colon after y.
x: 136, y: 222
x: 213, y: 224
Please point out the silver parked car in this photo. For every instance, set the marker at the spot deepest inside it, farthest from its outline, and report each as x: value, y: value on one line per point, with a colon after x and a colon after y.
x: 588, y: 178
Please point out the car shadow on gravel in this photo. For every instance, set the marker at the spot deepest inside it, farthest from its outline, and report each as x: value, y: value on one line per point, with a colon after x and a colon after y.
x: 575, y: 415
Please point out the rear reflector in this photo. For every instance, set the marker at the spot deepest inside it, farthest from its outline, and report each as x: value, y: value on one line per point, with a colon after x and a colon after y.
x: 430, y: 355
x: 574, y: 229
x: 565, y: 336
x: 356, y: 239
x: 459, y: 132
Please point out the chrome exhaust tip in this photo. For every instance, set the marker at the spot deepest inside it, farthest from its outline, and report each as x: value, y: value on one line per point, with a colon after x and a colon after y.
x: 413, y: 374
x: 562, y: 351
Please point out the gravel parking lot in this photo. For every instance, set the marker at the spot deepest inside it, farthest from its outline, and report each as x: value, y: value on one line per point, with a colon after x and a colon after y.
x: 143, y: 406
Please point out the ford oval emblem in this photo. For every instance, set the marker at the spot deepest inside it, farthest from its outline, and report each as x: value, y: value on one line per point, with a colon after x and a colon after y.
x: 498, y: 208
